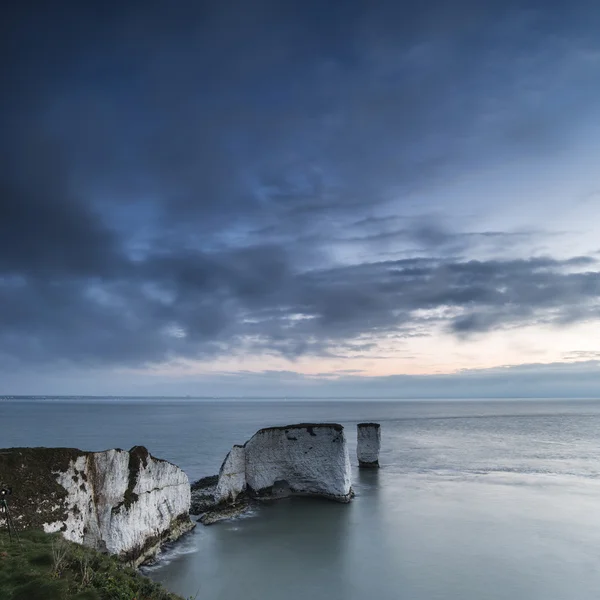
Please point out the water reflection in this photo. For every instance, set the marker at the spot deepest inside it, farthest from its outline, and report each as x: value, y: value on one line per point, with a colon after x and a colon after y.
x: 366, y: 481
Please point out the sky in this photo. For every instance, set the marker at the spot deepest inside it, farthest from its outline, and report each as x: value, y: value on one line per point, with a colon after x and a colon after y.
x: 300, y: 198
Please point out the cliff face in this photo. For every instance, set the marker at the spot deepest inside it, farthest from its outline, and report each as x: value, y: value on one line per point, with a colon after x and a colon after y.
x: 304, y: 459
x: 232, y: 476
x: 368, y: 444
x: 125, y: 503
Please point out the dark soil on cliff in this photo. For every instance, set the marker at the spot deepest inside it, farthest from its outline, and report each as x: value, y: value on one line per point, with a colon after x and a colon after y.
x: 47, y: 567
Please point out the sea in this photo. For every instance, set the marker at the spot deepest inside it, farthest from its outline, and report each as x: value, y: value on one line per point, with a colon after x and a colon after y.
x: 474, y: 500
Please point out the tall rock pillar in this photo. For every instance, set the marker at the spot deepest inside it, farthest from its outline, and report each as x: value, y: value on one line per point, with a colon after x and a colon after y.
x: 369, y: 442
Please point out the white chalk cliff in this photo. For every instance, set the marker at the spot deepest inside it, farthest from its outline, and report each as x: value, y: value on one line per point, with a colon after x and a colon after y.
x: 303, y: 459
x: 125, y: 503
x: 368, y: 444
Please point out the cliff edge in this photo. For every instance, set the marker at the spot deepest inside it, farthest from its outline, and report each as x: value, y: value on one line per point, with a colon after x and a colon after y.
x: 126, y: 503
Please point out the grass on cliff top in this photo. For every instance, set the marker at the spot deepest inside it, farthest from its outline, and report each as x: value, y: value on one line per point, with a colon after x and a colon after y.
x: 47, y: 567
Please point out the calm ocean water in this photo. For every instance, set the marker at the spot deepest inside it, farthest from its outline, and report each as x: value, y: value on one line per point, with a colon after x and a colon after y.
x: 475, y: 500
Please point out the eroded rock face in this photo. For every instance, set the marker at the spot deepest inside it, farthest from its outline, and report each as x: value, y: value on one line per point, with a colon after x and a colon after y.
x: 232, y: 476
x: 305, y: 459
x: 368, y: 444
x: 125, y: 503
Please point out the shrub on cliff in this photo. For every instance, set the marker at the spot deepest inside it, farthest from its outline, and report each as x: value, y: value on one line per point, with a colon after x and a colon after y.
x: 47, y: 567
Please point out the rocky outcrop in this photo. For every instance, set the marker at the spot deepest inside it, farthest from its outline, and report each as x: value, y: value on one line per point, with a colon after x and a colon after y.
x: 368, y: 444
x: 203, y: 494
x: 308, y: 459
x: 124, y: 503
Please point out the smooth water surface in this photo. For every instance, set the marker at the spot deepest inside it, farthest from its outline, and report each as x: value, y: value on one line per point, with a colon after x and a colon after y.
x: 475, y: 500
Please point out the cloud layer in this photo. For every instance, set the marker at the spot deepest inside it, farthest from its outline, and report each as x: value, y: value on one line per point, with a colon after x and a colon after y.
x: 210, y: 180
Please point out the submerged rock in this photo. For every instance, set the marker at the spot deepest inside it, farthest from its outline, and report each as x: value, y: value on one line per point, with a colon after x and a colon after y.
x: 224, y: 512
x: 120, y: 502
x: 368, y: 444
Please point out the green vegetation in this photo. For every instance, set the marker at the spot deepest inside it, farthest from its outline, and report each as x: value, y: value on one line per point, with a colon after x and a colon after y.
x: 47, y: 567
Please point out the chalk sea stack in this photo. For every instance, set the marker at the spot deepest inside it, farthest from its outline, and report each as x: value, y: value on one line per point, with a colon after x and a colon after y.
x: 126, y: 503
x: 306, y: 459
x: 368, y: 445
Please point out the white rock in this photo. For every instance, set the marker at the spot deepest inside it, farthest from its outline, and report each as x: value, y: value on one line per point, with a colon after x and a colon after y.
x: 368, y: 444
x: 232, y: 476
x: 122, y: 502
x: 306, y: 459
x: 160, y: 496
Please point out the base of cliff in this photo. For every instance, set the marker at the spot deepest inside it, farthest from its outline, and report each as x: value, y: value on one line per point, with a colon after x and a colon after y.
x: 243, y: 504
x: 148, y: 552
x: 368, y: 465
x: 275, y: 493
x: 47, y: 566
x: 225, y: 512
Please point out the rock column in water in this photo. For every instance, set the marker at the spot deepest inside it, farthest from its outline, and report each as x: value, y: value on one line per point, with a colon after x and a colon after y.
x: 369, y: 442
x: 309, y: 459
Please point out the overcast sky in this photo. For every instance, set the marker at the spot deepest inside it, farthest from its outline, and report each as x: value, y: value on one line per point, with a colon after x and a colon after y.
x: 277, y: 197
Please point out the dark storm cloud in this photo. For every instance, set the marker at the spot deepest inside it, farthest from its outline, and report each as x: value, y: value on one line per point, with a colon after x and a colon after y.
x: 46, y: 228
x: 202, y: 305
x: 174, y: 180
x: 430, y: 235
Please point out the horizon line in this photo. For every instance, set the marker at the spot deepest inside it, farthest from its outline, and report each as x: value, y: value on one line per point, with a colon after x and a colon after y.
x: 279, y: 397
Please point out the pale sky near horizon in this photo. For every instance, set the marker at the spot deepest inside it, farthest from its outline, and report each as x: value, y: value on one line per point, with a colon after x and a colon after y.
x: 217, y: 195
